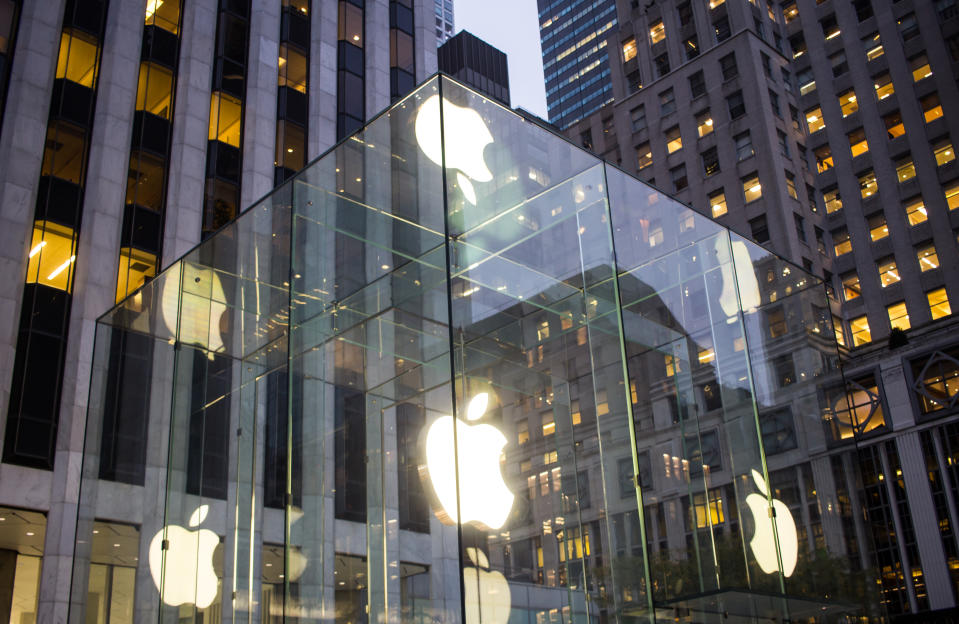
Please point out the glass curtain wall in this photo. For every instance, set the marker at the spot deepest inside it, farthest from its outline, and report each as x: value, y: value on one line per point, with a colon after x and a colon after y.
x: 458, y: 369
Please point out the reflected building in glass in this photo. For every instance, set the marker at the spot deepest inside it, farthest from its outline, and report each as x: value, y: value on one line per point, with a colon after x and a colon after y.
x: 460, y: 370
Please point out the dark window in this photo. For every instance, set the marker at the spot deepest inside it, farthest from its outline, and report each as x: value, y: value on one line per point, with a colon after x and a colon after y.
x: 721, y: 28
x: 759, y: 229
x: 685, y: 11
x: 728, y: 66
x: 662, y: 64
x: 697, y: 84
x: 863, y: 9
x: 711, y: 161
x: 736, y: 105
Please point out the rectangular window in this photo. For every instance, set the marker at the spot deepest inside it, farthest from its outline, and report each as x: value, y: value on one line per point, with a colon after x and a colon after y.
x: 898, y: 316
x: 952, y: 196
x: 850, y: 286
x: 878, y: 229
x: 662, y: 64
x: 838, y: 63
x: 744, y: 145
x: 931, y: 108
x: 629, y: 49
x: 920, y: 67
x: 938, y: 303
x: 710, y: 161
x: 736, y: 105
x: 863, y: 9
x: 823, y: 156
x: 787, y: 80
x: 644, y: 156
x: 943, y: 152
x: 760, y: 232
x: 52, y: 254
x: 783, y: 143
x: 799, y: 222
x: 848, y: 102
x: 883, y: 86
x: 859, y: 327
x: 226, y: 116
x: 791, y: 185
x: 717, y: 203
x: 927, y: 256
x: 667, y: 102
x: 774, y: 103
x: 685, y: 11
x: 77, y: 58
x: 841, y: 243
x: 767, y: 65
x: 752, y: 189
x: 830, y: 29
x: 905, y: 169
x: 798, y: 45
x: 657, y: 32
x: 873, y: 45
x: 867, y: 184
x: 728, y: 66
x: 697, y: 84
x: 721, y: 28
x: 814, y: 120
x: 832, y: 199
x: 154, y: 90
x: 894, y: 127
x: 678, y: 176
x: 790, y: 12
x: 908, y: 26
x: 807, y: 84
x: 674, y: 140
x: 857, y: 142
x: 888, y: 271
x: 704, y: 123
x: 916, y: 211
x: 691, y: 46
x: 293, y: 69
x: 638, y: 118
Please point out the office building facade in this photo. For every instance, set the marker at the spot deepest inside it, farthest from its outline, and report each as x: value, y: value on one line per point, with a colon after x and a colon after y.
x: 575, y: 60
x: 131, y: 131
x: 472, y: 61
x: 817, y: 128
x: 443, y: 20
x: 460, y: 370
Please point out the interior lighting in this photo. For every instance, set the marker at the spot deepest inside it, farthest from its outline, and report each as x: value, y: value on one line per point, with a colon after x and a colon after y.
x: 36, y: 248
x: 152, y: 6
x: 60, y: 269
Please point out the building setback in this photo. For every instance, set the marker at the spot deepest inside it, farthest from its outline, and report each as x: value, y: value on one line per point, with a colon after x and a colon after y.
x: 476, y: 63
x: 127, y: 138
x: 818, y: 129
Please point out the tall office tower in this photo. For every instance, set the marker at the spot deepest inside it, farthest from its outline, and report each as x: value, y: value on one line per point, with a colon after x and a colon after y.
x: 476, y: 63
x: 443, y: 22
x: 817, y: 128
x: 575, y: 61
x: 130, y: 132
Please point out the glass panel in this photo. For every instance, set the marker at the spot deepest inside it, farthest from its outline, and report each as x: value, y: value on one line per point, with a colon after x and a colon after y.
x: 51, y: 256
x: 292, y: 70
x: 226, y: 118
x: 154, y: 90
x: 164, y: 14
x: 77, y: 59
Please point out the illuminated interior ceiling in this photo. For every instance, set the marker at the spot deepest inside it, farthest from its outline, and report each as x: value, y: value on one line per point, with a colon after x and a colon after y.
x: 22, y: 531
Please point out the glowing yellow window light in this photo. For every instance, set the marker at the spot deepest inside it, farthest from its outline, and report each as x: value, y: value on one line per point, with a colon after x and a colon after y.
x: 51, y: 256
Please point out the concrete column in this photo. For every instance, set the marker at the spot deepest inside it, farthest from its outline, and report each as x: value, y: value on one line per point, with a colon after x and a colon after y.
x: 322, y: 83
x: 191, y: 121
x: 259, y: 121
x: 424, y: 39
x: 377, y: 48
x: 21, y: 152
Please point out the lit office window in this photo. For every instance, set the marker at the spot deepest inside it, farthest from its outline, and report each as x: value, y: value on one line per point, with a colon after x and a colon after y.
x: 644, y: 156
x: 898, y: 316
x: 704, y: 123
x: 927, y: 256
x: 657, y: 32
x: 136, y: 267
x: 944, y: 152
x: 838, y: 331
x: 888, y: 271
x: 859, y: 327
x: 823, y: 155
x: 850, y: 286
x: 931, y: 108
x: 857, y: 142
x: 814, y: 120
x: 791, y: 185
x: 830, y: 29
x: 867, y: 184
x: 952, y: 196
x: 916, y: 211
x: 841, y: 242
x: 790, y: 12
x: 878, y: 229
x: 292, y: 69
x: 920, y: 67
x: 873, y: 45
x: 77, y: 59
x: 717, y: 203
x: 226, y: 117
x: 752, y: 189
x: 674, y: 140
x: 154, y: 90
x: 883, y: 86
x: 894, y: 127
x: 848, y: 102
x: 290, y: 146
x: 832, y: 199
x: 938, y: 303
x: 691, y: 46
x: 905, y: 169
x: 629, y: 49
x: 715, y: 3
x: 52, y: 255
x: 165, y: 15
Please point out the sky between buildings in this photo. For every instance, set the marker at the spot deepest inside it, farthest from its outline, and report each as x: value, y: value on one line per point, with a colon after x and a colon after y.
x: 513, y: 27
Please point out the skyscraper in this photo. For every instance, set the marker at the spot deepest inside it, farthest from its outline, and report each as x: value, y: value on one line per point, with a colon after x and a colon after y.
x: 575, y: 60
x: 443, y: 20
x: 472, y: 61
x: 817, y: 128
x: 131, y: 131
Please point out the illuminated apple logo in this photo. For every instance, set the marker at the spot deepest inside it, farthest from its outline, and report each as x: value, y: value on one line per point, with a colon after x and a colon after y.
x: 186, y: 574
x: 487, y: 594
x: 747, y: 298
x: 466, y: 137
x: 484, y: 498
x: 763, y: 543
x: 194, y: 315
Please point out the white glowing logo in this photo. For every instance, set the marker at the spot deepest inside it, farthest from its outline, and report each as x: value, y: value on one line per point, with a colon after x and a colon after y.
x: 487, y: 594
x: 466, y: 136
x: 194, y: 315
x: 763, y: 543
x: 185, y: 574
x: 749, y: 297
x: 484, y: 497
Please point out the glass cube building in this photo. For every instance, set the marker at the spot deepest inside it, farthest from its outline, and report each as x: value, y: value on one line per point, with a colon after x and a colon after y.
x: 460, y: 370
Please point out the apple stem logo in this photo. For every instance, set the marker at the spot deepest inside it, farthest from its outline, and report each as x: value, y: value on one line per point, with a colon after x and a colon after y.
x: 763, y: 543
x: 471, y: 452
x: 181, y: 562
x: 487, y: 594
